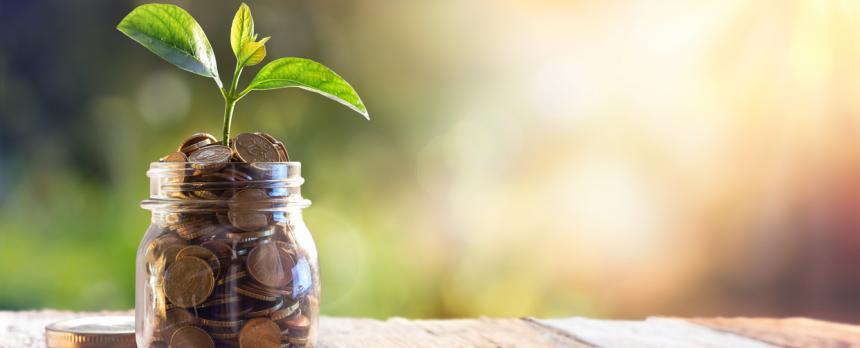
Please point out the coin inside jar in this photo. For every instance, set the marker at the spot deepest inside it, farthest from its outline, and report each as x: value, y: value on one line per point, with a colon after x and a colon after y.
x: 233, y: 273
x: 195, y: 142
x: 195, y: 228
x: 223, y: 252
x: 175, y: 157
x: 243, y: 212
x: 174, y: 319
x: 163, y: 250
x: 191, y: 337
x: 286, y: 313
x: 189, y: 281
x: 266, y: 308
x: 228, y: 175
x: 230, y: 271
x: 271, y: 265
x: 260, y: 333
x: 298, y: 326
x: 203, y: 254
x: 252, y: 148
x: 210, y: 158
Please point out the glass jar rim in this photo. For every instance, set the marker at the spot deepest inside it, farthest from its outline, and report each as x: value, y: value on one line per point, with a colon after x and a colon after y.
x: 197, y: 186
x: 180, y: 165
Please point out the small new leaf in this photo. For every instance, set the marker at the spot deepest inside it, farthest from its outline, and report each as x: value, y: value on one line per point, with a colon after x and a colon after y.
x: 172, y: 34
x: 242, y: 30
x: 253, y: 52
x: 308, y: 75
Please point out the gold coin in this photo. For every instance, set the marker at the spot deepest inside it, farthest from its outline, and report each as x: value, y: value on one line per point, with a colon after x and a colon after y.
x: 286, y: 312
x: 195, y: 142
x: 298, y: 326
x: 222, y: 327
x: 260, y: 333
x: 228, y: 175
x: 174, y: 319
x: 175, y: 157
x: 210, y: 158
x: 233, y: 307
x: 157, y: 248
x: 241, y: 238
x: 222, y: 323
x: 92, y: 332
x: 189, y: 281
x: 203, y: 254
x: 282, y: 152
x: 232, y: 276
x: 220, y: 301
x: 186, y: 221
x: 248, y: 221
x: 271, y: 265
x: 195, y: 228
x: 252, y: 148
x: 254, y: 293
x: 267, y: 309
x: 191, y: 337
x: 296, y: 341
x: 244, y: 213
x: 223, y: 252
x: 268, y: 291
x: 267, y: 136
x: 162, y: 250
x: 279, y: 146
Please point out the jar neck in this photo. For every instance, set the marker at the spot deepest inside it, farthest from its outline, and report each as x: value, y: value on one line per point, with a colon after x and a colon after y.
x: 200, y: 187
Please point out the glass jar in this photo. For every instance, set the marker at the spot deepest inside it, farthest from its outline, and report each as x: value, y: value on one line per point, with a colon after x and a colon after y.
x: 227, y: 260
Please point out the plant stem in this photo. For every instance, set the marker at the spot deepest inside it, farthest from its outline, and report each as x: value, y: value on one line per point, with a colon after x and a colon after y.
x: 230, y: 99
x: 229, y: 104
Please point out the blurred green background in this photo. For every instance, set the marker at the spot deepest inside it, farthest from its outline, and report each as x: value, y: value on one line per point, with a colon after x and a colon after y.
x: 544, y: 158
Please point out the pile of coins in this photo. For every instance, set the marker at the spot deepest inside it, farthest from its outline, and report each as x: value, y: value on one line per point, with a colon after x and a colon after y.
x: 208, y: 153
x: 231, y: 277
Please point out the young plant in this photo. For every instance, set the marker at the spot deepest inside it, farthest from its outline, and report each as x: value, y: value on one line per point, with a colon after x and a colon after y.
x: 172, y: 34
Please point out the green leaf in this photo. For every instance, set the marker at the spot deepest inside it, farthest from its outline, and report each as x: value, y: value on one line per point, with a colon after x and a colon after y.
x: 253, y: 52
x: 309, y: 75
x: 242, y: 30
x: 172, y: 34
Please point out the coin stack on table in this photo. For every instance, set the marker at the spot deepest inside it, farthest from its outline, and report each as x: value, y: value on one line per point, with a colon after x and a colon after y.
x: 233, y: 276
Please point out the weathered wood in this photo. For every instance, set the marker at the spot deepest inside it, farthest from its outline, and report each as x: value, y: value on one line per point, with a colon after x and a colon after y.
x: 792, y: 332
x: 651, y: 333
x: 26, y: 329
x: 398, y: 332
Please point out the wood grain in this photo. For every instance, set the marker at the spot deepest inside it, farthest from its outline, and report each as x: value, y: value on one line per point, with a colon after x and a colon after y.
x: 650, y: 333
x: 26, y: 329
x: 397, y: 332
x: 791, y: 332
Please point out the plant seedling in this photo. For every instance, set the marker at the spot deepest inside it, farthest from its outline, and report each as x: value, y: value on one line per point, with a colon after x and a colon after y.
x: 172, y: 33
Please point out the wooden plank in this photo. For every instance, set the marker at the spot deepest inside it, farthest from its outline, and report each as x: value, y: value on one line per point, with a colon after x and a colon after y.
x: 651, y: 333
x: 26, y: 329
x: 398, y: 332
x: 792, y: 332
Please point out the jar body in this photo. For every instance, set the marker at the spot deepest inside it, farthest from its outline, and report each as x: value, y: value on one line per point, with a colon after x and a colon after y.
x: 227, y: 262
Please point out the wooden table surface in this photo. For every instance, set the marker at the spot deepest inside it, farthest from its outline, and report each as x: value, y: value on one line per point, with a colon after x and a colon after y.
x: 26, y: 329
